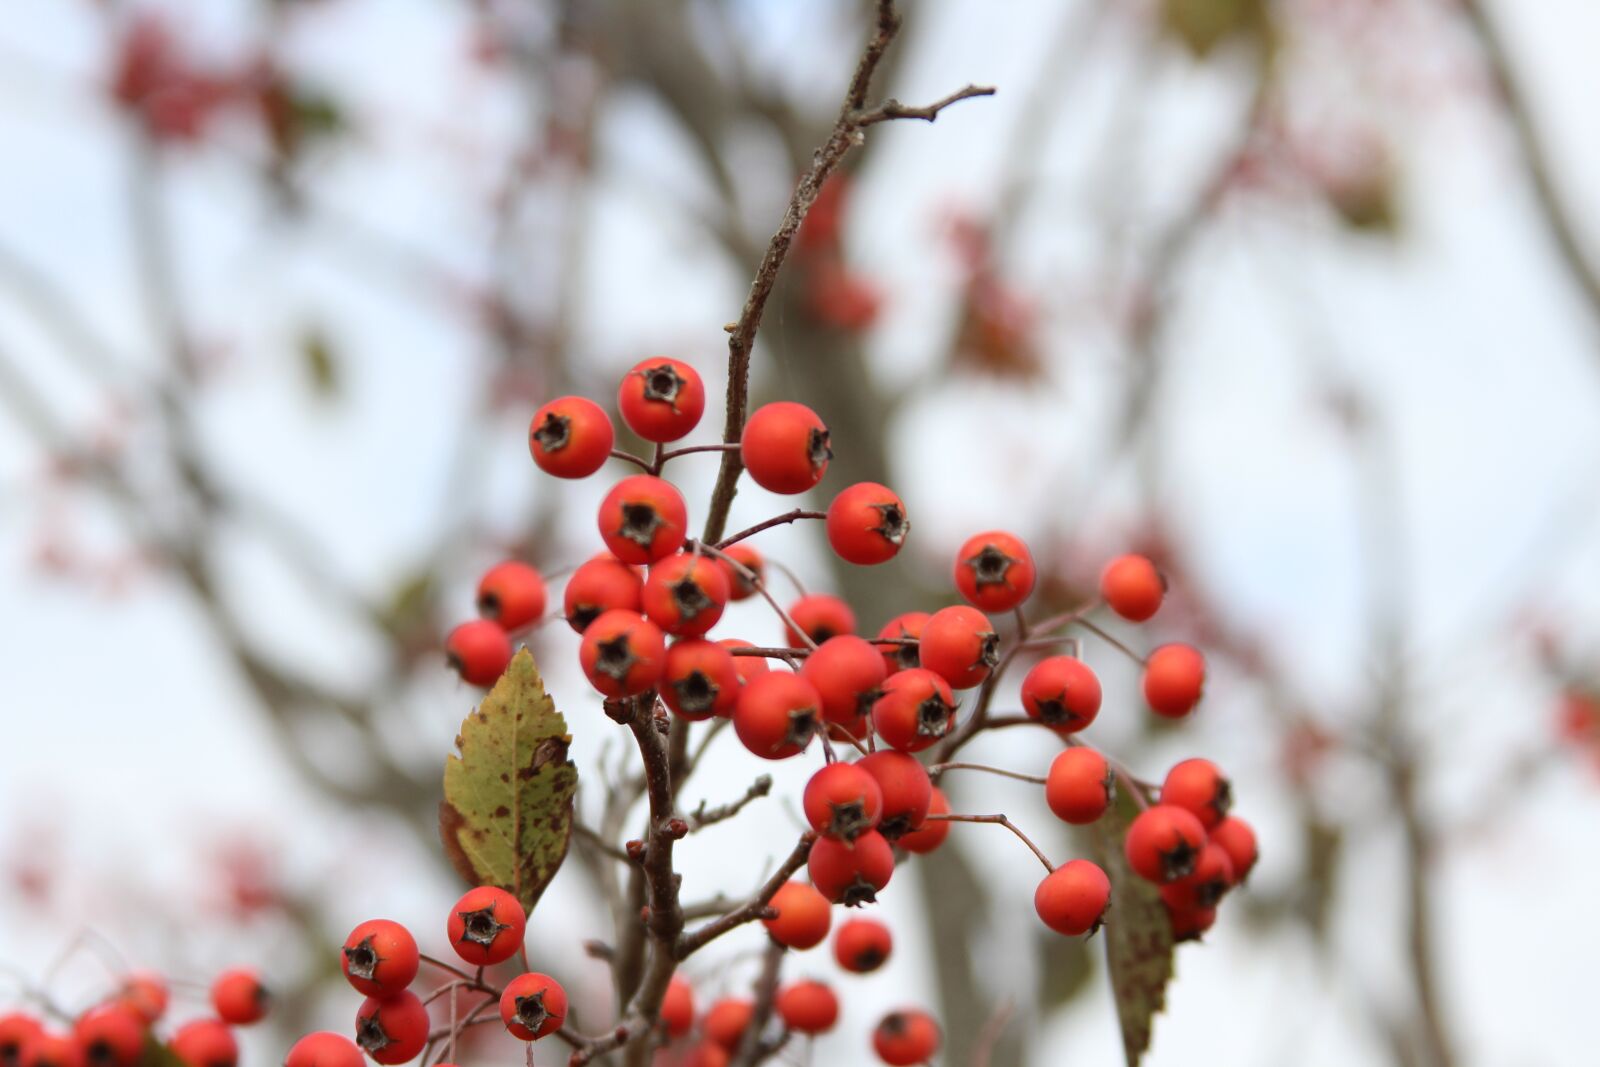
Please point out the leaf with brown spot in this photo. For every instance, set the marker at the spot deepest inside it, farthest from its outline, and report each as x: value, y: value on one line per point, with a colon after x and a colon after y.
x: 506, y: 816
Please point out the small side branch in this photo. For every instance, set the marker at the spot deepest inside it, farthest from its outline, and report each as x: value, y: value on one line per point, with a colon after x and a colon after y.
x: 894, y: 109
x: 704, y: 816
x: 751, y: 909
x: 1000, y: 820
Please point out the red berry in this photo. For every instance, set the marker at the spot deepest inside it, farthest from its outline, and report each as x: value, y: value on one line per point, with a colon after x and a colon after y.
x: 749, y: 667
x: 486, y: 925
x: 803, y: 918
x: 479, y: 651
x: 820, y: 616
x: 1203, y: 887
x: 906, y: 1037
x: 1189, y: 925
x: 843, y: 801
x: 785, y: 447
x: 622, y: 654
x: 1173, y: 678
x: 727, y: 1020
x: 907, y: 791
x: 740, y: 587
x: 643, y: 519
x: 851, y: 874
x: 1133, y: 587
x: 145, y: 992
x: 1235, y: 837
x: 324, y: 1049
x: 570, y: 437
x: 18, y: 1032
x: 1163, y: 843
x: 1072, y: 898
x: 209, y: 1042
x: 707, y: 1054
x: 661, y: 399
x: 994, y: 571
x: 111, y: 1035
x: 862, y: 945
x: 700, y: 679
x: 532, y: 1006
x: 847, y: 671
x: 677, y: 1006
x: 960, y: 645
x: 603, y: 584
x: 511, y: 594
x: 917, y: 709
x: 808, y: 1007
x: 1197, y: 786
x: 777, y: 715
x: 239, y: 997
x: 1062, y: 692
x: 867, y: 524
x: 55, y: 1050
x: 1078, y: 786
x: 379, y: 958
x: 931, y: 834
x: 909, y: 626
x: 685, y: 594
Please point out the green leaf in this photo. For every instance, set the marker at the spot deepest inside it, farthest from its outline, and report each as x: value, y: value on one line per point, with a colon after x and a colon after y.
x: 1137, y: 934
x: 506, y: 817
x: 320, y: 362
x: 157, y: 1054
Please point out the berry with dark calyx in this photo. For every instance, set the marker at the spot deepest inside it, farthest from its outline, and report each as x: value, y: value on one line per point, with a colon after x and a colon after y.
x: 1132, y: 587
x: 677, y: 1007
x: 324, y: 1049
x: 209, y: 1042
x: 533, y: 1006
x: 917, y: 709
x: 785, y: 447
x: 685, y: 594
x: 1235, y: 837
x: 848, y: 673
x: 803, y: 918
x: 239, y: 998
x: 1197, y: 786
x: 862, y: 945
x: 623, y: 654
x: 145, y: 992
x: 111, y: 1035
x: 1190, y: 925
x: 603, y: 584
x: 777, y: 715
x: 18, y: 1032
x: 700, y: 679
x: 643, y: 519
x: 807, y: 1007
x: 994, y: 571
x: 906, y: 1037
x: 960, y: 645
x: 1072, y: 898
x: 867, y: 524
x: 379, y: 958
x: 842, y: 801
x: 486, y: 925
x: 727, y: 1020
x: 1061, y: 692
x: 749, y: 667
x: 820, y: 616
x: 661, y: 399
x: 903, y: 628
x: 745, y: 554
x: 851, y: 874
x: 1163, y: 843
x: 50, y: 1049
x: 1203, y: 887
x: 479, y: 651
x: 1174, y: 676
x: 512, y: 594
x: 907, y: 791
x: 1078, y: 787
x: 392, y: 1029
x: 931, y: 834
x: 570, y: 437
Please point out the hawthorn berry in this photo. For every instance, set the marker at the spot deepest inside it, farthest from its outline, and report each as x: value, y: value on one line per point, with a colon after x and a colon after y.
x: 842, y: 801
x: 906, y: 1037
x: 512, y: 594
x: 727, y: 1020
x: 1174, y: 675
x: 931, y: 834
x: 145, y: 992
x: 903, y: 628
x: 862, y: 945
x: 707, y: 1054
x: 803, y: 918
x: 602, y: 584
x: 685, y: 594
x: 324, y: 1049
x: 1163, y: 843
x: 1203, y: 887
x: 916, y: 709
x: 50, y: 1049
x: 1235, y: 837
x: 392, y: 1029
x: 18, y: 1032
x: 1072, y: 898
x: 907, y: 790
x: 777, y: 714
x: 749, y: 667
x: 570, y: 437
x: 1078, y: 786
x: 622, y: 654
x: 700, y: 679
x: 479, y: 651
x: 677, y: 1006
x: 1190, y: 925
x: 743, y: 553
x: 1132, y: 587
x: 210, y: 1043
x: 851, y: 874
x: 643, y: 519
x: 867, y: 524
x: 532, y: 1006
x: 1061, y: 692
x: 1197, y: 786
x: 785, y: 447
x: 807, y: 1007
x: 239, y: 997
x: 960, y: 645
x: 379, y: 958
x: 994, y: 571
x: 848, y: 672
x: 486, y: 925
x: 661, y: 399
x: 819, y: 616
x: 111, y: 1035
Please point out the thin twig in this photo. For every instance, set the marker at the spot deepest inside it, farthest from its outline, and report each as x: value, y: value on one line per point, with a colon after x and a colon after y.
x: 999, y: 820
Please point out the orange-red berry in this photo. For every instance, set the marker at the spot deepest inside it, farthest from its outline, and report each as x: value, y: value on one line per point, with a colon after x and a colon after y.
x: 820, y: 616
x: 843, y: 801
x: 685, y: 594
x: 486, y: 925
x: 324, y: 1049
x: 1174, y: 676
x: 1078, y: 786
x: 706, y: 1054
x: 1190, y: 925
x: 50, y: 1049
x: 807, y: 1007
x: 479, y: 651
x: 532, y: 1006
x: 851, y: 874
x: 1163, y: 843
x: 903, y: 628
x: 661, y: 399
x: 512, y: 594
x: 906, y: 1037
x: 1072, y: 898
x: 867, y: 524
x: 570, y: 437
x: 700, y: 679
x: 379, y: 958
x: 777, y: 715
x: 643, y: 519
x: 603, y: 584
x: 741, y: 587
x: 1203, y: 887
x: 862, y: 945
x: 677, y: 1006
x: 785, y: 447
x: 931, y: 834
x: 803, y: 918
x: 1062, y: 692
x: 111, y: 1035
x: 1132, y: 586
x: 727, y: 1020
x: 994, y: 571
x: 916, y: 709
x: 209, y: 1043
x: 239, y: 998
x: 749, y: 667
x: 623, y: 654
x: 907, y: 791
x: 18, y: 1032
x: 960, y: 645
x: 1197, y: 786
x: 848, y: 673
x: 1235, y: 837
x: 145, y: 992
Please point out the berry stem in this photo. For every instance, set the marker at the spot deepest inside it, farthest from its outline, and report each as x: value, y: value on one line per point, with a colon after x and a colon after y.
x: 1108, y: 639
x: 751, y: 909
x: 777, y: 520
x: 769, y: 652
x: 644, y: 465
x: 1000, y: 820
x: 940, y: 767
x: 758, y: 585
x: 703, y: 816
x: 443, y: 966
x: 691, y: 449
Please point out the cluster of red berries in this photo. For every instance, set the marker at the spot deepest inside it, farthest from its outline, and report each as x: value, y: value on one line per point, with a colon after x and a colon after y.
x: 117, y: 1031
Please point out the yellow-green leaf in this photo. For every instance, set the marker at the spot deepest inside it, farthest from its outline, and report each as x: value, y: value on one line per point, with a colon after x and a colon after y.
x: 506, y: 817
